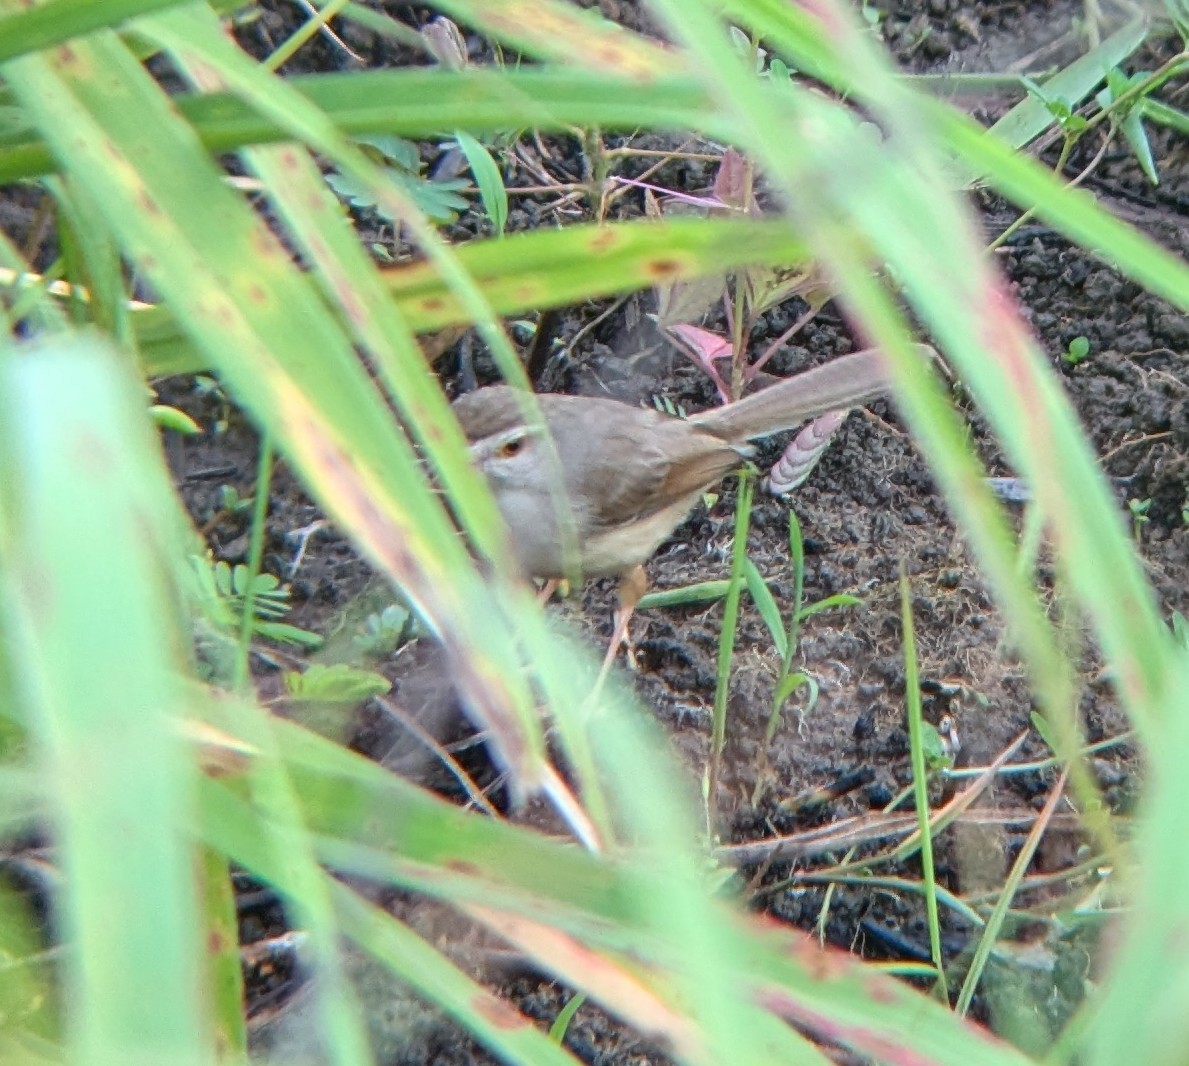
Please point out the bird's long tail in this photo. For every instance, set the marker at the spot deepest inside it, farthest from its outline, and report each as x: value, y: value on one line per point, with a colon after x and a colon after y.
x: 848, y: 381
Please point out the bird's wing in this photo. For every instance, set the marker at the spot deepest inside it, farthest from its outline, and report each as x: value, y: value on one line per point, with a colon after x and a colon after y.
x: 643, y: 462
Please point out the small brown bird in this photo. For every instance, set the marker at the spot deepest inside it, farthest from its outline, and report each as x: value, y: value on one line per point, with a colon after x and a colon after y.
x: 629, y: 475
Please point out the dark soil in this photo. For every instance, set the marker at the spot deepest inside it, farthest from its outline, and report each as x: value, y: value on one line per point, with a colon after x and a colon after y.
x: 868, y: 509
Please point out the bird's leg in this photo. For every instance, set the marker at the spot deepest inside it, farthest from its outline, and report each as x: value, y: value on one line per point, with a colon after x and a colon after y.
x: 632, y: 587
x: 555, y: 584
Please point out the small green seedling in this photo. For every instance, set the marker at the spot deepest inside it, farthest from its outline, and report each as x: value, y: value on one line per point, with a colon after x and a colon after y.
x: 440, y: 200
x: 234, y: 583
x: 1072, y: 124
x: 1045, y: 730
x: 1079, y: 349
x: 938, y: 753
x: 557, y: 1031
x: 324, y: 697
x: 919, y: 742
x: 206, y: 387
x: 779, y: 72
x: 232, y: 503
x: 446, y: 43
x: 492, y: 191
x: 785, y: 637
x: 668, y: 407
x: 1139, y: 517
x: 337, y: 683
x: 384, y: 632
x: 748, y: 49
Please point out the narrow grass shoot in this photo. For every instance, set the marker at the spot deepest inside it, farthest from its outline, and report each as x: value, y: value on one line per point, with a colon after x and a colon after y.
x: 920, y: 780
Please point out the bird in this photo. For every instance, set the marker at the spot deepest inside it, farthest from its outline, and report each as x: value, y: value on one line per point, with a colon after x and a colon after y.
x: 619, y: 478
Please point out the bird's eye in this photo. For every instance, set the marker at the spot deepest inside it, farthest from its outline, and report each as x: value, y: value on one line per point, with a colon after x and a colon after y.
x: 510, y: 448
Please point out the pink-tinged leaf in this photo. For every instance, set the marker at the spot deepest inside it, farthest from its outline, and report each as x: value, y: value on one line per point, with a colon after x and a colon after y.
x: 733, y: 185
x: 803, y: 454
x: 703, y: 347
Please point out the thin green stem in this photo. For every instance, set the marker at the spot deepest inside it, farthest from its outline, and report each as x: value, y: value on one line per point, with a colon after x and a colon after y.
x: 255, y: 556
x: 920, y: 781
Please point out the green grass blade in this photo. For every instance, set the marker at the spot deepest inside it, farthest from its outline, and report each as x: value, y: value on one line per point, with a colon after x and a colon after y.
x: 841, y: 50
x: 375, y: 825
x: 22, y: 796
x: 1161, y: 113
x: 224, y: 971
x: 558, y: 31
x: 491, y: 1020
x: 537, y: 270
x: 1142, y: 1010
x: 89, y: 525
x: 726, y: 639
x: 904, y: 209
x: 338, y: 261
x: 994, y: 923
x: 28, y: 1003
x: 420, y: 103
x: 191, y: 33
x: 58, y: 20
